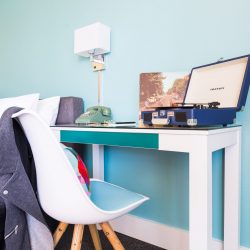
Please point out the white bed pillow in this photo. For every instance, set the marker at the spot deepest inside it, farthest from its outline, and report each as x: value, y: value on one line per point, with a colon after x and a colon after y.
x: 25, y: 101
x: 48, y: 109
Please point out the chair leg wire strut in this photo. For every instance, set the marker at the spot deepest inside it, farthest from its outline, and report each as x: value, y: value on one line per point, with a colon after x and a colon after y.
x: 78, y: 235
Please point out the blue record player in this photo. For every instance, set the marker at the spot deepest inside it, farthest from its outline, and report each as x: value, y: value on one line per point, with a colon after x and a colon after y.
x: 214, y: 94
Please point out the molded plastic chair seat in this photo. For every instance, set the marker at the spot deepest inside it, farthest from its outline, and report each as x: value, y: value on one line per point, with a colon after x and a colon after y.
x: 116, y: 198
x: 60, y: 192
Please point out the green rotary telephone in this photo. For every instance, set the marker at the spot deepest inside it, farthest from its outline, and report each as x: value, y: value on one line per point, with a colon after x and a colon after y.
x: 96, y: 114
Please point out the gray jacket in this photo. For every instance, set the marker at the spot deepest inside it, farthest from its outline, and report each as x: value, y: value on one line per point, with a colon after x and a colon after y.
x: 25, y: 227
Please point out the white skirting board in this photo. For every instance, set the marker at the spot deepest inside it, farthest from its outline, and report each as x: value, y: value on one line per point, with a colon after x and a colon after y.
x: 157, y: 234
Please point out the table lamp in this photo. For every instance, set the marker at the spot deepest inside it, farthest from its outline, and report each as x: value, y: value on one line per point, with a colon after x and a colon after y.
x: 94, y: 41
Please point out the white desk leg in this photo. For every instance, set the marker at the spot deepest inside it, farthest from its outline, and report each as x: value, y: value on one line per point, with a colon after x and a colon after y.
x: 232, y: 196
x: 98, y: 161
x: 200, y: 197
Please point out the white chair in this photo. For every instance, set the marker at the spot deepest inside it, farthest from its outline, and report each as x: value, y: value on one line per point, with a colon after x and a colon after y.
x: 61, y: 195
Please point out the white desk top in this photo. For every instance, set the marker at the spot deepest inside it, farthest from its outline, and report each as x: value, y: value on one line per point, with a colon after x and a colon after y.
x: 168, y: 130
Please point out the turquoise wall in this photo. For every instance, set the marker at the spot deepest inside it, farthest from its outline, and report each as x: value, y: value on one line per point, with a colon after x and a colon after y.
x: 36, y: 55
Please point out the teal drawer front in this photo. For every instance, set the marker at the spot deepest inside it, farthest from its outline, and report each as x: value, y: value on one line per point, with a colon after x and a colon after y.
x: 137, y: 140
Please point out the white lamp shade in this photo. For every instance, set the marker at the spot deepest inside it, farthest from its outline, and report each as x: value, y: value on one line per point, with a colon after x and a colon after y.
x: 92, y: 38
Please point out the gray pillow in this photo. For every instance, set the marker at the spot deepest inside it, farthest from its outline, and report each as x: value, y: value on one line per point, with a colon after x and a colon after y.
x: 69, y: 109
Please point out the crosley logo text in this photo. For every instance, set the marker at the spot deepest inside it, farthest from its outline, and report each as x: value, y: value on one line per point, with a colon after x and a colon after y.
x: 219, y: 88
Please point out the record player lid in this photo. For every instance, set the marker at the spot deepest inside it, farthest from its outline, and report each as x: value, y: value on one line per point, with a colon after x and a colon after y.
x: 226, y: 82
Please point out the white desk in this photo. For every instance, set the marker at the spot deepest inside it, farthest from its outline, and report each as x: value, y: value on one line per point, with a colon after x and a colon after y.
x: 199, y: 144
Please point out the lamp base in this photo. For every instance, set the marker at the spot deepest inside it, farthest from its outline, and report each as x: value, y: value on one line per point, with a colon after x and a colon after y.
x: 96, y: 114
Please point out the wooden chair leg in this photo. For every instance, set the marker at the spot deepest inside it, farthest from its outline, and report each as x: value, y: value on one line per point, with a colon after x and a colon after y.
x: 111, y: 235
x: 61, y: 228
x: 77, y: 237
x: 95, y: 237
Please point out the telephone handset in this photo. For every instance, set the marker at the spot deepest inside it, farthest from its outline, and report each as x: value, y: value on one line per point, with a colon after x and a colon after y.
x: 96, y: 114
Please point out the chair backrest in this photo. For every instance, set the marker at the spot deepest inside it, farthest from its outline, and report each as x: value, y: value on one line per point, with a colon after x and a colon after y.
x: 59, y: 190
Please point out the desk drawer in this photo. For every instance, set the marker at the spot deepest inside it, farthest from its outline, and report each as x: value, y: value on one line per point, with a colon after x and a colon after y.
x: 137, y: 140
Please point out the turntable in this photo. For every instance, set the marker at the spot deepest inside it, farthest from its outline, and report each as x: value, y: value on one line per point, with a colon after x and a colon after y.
x: 214, y: 94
